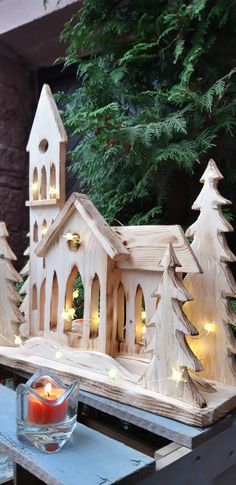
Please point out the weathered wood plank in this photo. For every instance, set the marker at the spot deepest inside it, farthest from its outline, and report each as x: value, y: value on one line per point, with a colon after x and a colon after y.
x: 219, y: 403
x: 89, y: 456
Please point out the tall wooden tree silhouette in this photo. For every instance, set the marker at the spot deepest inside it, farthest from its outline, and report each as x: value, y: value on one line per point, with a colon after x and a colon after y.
x: 168, y: 372
x: 10, y: 315
x: 210, y: 310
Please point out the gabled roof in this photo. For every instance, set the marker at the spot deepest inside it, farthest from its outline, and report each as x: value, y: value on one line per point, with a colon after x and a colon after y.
x: 101, y: 230
x: 147, y: 245
x: 47, y: 121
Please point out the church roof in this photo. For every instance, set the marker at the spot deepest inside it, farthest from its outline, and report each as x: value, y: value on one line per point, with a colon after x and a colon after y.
x: 102, y: 231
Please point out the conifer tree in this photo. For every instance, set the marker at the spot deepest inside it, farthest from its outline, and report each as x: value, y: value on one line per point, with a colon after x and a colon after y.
x: 10, y: 315
x: 168, y: 371
x: 156, y: 92
x: 210, y: 311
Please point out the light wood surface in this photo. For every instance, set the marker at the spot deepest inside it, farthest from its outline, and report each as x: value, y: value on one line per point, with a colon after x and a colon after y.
x: 210, y: 311
x: 146, y: 246
x: 89, y: 457
x: 10, y: 315
x: 168, y: 372
x: 47, y: 155
x: 120, y: 388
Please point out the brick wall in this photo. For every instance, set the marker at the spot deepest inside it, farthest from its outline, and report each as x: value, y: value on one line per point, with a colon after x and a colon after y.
x: 16, y: 111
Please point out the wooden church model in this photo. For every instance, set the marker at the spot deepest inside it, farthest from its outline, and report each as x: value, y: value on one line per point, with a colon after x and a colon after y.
x: 137, y: 337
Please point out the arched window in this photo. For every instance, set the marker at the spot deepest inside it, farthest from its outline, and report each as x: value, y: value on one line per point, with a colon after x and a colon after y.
x: 121, y: 313
x: 43, y: 187
x: 34, y: 298
x: 53, y: 190
x: 42, y: 305
x: 140, y: 316
x: 35, y: 233
x: 35, y: 185
x: 95, y: 308
x: 74, y: 303
x: 54, y: 303
x: 44, y: 228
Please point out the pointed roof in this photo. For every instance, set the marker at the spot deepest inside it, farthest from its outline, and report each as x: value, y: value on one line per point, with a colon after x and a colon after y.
x: 211, y: 173
x: 101, y: 230
x: 46, y: 118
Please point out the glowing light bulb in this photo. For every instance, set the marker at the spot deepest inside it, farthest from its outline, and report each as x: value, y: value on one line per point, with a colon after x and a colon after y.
x: 34, y: 187
x: 144, y: 330
x: 144, y: 316
x: 58, y: 354
x: 210, y: 327
x: 75, y: 293
x: 44, y: 231
x: 52, y: 191
x: 68, y: 313
x: 18, y: 340
x: 48, y: 389
x: 69, y: 236
x: 177, y: 375
x: 112, y: 373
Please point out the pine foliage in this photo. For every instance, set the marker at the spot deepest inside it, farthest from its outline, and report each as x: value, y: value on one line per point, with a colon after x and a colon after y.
x: 157, y: 94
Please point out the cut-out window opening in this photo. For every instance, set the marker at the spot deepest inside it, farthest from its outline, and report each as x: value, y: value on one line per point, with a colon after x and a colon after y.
x: 54, y: 303
x: 44, y: 227
x: 34, y: 297
x: 95, y: 308
x: 121, y: 313
x: 140, y: 317
x: 43, y: 187
x: 74, y: 303
x: 43, y: 146
x: 52, y: 187
x: 35, y: 185
x: 35, y: 233
x: 42, y: 305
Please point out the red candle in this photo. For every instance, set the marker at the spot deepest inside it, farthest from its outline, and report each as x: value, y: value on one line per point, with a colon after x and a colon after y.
x: 41, y: 412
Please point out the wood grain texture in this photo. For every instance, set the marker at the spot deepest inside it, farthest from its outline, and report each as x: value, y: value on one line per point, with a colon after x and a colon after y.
x: 88, y: 457
x: 102, y: 231
x: 120, y: 388
x: 47, y: 155
x: 210, y: 311
x: 168, y: 372
x: 10, y: 314
x: 147, y: 244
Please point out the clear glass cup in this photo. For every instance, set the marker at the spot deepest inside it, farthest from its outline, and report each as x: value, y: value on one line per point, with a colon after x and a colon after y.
x: 46, y: 411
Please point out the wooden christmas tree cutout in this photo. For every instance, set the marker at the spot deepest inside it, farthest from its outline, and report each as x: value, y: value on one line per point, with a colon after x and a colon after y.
x: 210, y: 311
x: 10, y: 315
x: 172, y: 357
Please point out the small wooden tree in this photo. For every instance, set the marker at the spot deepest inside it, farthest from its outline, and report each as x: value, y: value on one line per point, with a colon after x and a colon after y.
x: 172, y: 357
x: 210, y: 310
x: 24, y: 291
x: 10, y: 315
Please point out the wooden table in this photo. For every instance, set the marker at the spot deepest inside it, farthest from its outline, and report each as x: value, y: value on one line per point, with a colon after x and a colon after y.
x: 88, y: 458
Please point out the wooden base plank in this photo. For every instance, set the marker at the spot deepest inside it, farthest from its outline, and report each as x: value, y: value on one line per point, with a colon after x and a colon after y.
x: 96, y: 380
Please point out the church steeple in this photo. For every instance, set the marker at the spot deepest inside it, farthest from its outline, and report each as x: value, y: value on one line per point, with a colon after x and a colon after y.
x: 47, y: 154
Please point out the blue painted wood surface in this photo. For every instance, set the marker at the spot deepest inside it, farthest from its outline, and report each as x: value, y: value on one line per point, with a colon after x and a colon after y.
x: 88, y: 458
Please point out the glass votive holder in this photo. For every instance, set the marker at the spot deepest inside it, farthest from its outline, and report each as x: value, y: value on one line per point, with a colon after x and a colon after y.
x: 46, y: 411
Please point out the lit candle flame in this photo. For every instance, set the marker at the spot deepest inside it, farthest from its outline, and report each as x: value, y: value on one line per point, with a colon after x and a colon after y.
x: 48, y: 388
